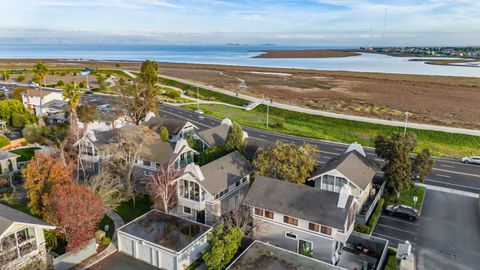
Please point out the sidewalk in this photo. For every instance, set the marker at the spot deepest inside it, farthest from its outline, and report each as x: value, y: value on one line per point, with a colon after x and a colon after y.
x: 112, y: 248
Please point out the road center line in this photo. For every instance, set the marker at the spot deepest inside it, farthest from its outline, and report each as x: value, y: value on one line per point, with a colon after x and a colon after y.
x: 391, y: 237
x: 448, y: 166
x: 443, y: 175
x: 395, y: 219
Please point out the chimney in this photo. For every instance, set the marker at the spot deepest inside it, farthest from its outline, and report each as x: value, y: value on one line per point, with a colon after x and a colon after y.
x: 343, y: 196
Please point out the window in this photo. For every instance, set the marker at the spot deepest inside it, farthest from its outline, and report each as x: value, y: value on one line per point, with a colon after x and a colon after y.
x: 290, y: 220
x: 258, y: 212
x: 339, y: 182
x: 18, y: 244
x: 326, y: 230
x: 190, y: 190
x: 328, y: 181
x: 237, y: 183
x: 313, y: 227
x: 187, y: 210
x: 290, y: 235
x: 147, y: 163
x: 268, y: 214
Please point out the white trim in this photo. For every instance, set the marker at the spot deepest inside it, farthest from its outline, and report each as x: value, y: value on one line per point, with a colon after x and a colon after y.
x: 298, y: 244
x: 45, y: 227
x: 291, y: 237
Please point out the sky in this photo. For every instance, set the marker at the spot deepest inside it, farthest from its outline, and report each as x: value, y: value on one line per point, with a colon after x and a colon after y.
x: 282, y: 22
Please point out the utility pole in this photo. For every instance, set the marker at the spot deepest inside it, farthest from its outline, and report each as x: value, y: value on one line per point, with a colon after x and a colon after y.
x: 268, y: 110
x: 5, y: 75
x: 406, y: 123
x: 198, y: 100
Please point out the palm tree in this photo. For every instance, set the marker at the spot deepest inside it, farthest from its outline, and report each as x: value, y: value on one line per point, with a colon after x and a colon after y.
x: 72, y: 95
x: 41, y: 70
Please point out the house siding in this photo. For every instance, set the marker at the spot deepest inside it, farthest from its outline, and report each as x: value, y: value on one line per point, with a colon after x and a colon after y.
x: 274, y: 234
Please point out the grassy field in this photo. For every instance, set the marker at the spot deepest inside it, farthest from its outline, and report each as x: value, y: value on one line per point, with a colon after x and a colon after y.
x: 339, y: 130
x: 406, y: 197
x: 25, y: 153
x: 129, y: 212
x: 205, y: 93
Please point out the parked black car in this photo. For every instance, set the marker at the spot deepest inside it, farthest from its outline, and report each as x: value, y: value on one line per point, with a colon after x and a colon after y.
x: 402, y: 211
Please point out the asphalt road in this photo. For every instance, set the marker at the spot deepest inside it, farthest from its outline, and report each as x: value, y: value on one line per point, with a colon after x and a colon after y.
x: 446, y: 236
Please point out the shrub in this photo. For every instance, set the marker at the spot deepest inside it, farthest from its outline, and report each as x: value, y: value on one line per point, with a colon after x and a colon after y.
x: 211, y: 154
x: 33, y: 133
x: 17, y: 93
x: 21, y: 119
x: 82, y: 85
x: 173, y: 94
x: 362, y: 228
x: 106, y: 241
x: 21, y: 78
x: 60, y: 83
x: 391, y: 259
x: 4, y: 141
x: 279, y: 125
x: 375, y: 215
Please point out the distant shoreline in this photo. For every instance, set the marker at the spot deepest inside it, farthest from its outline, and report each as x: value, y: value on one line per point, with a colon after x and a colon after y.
x: 320, y: 53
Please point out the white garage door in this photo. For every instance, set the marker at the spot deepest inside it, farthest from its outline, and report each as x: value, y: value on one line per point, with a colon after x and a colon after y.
x: 127, y: 245
x: 145, y: 254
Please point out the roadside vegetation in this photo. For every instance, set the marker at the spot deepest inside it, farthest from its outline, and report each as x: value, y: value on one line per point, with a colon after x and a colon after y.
x: 339, y: 130
x: 204, y: 94
x: 392, y: 263
x: 372, y: 222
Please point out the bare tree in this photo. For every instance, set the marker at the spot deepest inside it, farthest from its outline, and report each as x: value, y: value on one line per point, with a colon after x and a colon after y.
x: 242, y: 219
x: 109, y: 187
x: 138, y: 99
x: 163, y: 187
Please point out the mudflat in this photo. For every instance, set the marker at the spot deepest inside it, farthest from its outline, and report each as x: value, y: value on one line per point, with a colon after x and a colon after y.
x: 305, y: 54
x: 440, y: 100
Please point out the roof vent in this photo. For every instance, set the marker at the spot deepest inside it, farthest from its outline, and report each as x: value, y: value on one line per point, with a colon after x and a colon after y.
x: 356, y: 147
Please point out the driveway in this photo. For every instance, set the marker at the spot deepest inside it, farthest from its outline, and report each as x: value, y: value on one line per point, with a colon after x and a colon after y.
x: 446, y: 236
x: 120, y: 261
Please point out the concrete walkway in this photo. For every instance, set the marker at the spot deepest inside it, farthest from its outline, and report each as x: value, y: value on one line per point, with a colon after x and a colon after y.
x: 330, y: 114
x: 112, y: 248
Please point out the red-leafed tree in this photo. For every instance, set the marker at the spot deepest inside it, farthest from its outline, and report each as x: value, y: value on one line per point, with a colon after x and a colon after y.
x: 77, y: 213
x: 162, y: 187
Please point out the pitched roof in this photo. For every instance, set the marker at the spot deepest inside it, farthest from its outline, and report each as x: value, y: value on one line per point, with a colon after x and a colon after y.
x: 225, y: 171
x: 37, y: 93
x: 9, y: 216
x: 56, y: 104
x: 216, y: 135
x: 299, y: 201
x: 153, y: 148
x: 174, y: 126
x: 7, y: 155
x: 252, y: 146
x: 356, y: 167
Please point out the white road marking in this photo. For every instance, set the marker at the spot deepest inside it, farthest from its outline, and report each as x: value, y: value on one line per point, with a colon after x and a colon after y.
x: 448, y: 166
x: 396, y: 219
x: 450, y: 190
x: 467, y: 174
x: 338, y: 149
x: 394, y: 228
x: 391, y: 237
x: 443, y: 175
x: 262, y: 135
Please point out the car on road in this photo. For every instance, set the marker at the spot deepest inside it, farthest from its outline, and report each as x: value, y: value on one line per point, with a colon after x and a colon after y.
x: 471, y: 160
x: 89, y: 92
x: 198, y: 111
x: 402, y: 211
x: 32, y: 84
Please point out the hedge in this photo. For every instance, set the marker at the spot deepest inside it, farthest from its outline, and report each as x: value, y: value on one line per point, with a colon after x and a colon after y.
x: 4, y: 141
x: 368, y: 229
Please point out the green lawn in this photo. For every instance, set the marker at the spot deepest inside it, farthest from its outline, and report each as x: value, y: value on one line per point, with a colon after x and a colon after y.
x: 25, y: 153
x: 406, y: 197
x: 205, y: 93
x: 339, y: 130
x: 128, y: 212
x: 391, y: 259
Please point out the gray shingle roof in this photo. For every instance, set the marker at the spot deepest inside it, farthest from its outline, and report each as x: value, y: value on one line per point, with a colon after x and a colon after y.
x: 225, y: 171
x: 252, y: 146
x: 9, y: 215
x: 299, y: 201
x: 216, y: 135
x: 174, y: 126
x: 359, y: 169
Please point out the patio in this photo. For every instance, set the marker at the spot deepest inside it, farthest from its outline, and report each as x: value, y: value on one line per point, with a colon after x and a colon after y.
x: 363, y: 252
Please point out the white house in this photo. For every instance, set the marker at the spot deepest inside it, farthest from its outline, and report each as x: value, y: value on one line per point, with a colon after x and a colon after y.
x: 300, y: 218
x: 163, y: 240
x: 8, y: 162
x: 216, y: 135
x: 353, y: 168
x: 21, y: 238
x: 177, y: 129
x: 34, y: 99
x: 205, y: 193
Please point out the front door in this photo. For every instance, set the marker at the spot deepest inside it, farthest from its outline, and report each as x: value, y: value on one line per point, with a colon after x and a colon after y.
x: 201, y: 216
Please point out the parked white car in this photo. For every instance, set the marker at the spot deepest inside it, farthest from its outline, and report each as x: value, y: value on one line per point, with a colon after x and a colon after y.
x: 472, y: 160
x: 32, y: 84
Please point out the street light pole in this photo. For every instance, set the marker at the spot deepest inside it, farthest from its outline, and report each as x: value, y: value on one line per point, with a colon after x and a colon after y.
x: 198, y: 100
x: 406, y: 123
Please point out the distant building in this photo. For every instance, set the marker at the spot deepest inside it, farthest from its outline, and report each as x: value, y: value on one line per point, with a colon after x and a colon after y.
x: 34, y: 99
x: 177, y: 129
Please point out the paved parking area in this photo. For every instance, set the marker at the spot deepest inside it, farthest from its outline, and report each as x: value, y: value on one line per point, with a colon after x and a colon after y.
x: 120, y: 261
x: 446, y: 236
